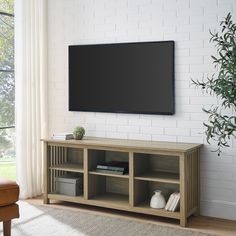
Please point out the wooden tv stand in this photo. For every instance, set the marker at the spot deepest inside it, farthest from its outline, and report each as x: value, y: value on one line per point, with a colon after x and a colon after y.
x: 167, y: 166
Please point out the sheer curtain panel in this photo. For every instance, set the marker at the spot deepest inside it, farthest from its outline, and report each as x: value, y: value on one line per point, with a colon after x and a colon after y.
x: 31, y: 93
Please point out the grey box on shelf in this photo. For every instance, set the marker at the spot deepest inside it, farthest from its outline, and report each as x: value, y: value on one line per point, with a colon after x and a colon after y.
x: 69, y: 184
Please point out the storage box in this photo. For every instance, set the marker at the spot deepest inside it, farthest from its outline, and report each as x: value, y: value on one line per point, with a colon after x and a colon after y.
x: 69, y: 184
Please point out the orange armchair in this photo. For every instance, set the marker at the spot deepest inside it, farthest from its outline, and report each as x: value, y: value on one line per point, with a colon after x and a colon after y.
x: 9, y: 195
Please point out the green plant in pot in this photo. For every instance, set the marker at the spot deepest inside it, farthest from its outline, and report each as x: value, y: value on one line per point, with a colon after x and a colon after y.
x: 78, y: 132
x: 221, y: 126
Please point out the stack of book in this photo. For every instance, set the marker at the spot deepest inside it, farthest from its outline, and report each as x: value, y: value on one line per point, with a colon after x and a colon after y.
x: 113, y: 167
x: 63, y: 136
x: 173, y: 202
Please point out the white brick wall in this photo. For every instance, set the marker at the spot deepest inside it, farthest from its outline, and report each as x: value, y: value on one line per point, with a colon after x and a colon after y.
x: 185, y: 21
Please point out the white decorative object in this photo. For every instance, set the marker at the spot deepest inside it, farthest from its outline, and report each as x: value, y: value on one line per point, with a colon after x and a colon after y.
x: 157, y: 201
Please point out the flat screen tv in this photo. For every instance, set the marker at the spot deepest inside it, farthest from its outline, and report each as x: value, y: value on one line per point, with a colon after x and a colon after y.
x: 122, y: 77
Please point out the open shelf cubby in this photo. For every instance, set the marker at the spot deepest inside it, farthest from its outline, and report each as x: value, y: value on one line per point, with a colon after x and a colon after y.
x: 96, y: 157
x: 169, y: 167
x: 53, y: 174
x: 144, y: 189
x: 108, y: 189
x: 66, y: 159
x: 63, y: 161
x: 152, y: 167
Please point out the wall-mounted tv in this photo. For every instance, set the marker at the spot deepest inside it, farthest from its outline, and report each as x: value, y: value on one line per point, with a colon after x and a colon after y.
x: 122, y: 77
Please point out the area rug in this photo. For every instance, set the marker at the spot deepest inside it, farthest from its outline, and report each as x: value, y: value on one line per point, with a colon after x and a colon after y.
x: 37, y: 220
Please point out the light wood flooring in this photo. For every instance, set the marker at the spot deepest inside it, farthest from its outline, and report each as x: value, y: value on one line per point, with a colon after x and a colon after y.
x: 204, y: 224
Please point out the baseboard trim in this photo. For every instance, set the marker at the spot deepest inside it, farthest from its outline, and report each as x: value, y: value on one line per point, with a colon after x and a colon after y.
x: 219, y: 209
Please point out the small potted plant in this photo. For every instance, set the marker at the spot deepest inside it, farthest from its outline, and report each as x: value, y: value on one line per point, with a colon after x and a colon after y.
x: 78, y: 132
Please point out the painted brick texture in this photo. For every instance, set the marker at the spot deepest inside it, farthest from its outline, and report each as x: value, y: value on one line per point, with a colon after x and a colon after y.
x: 185, y: 21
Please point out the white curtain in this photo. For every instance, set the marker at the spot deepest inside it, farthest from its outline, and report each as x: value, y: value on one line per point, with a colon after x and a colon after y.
x: 31, y: 93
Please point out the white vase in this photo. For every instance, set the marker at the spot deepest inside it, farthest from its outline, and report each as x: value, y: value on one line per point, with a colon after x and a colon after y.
x: 157, y: 201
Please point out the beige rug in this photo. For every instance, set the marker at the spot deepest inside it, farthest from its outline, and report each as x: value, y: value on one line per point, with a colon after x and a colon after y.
x: 37, y: 220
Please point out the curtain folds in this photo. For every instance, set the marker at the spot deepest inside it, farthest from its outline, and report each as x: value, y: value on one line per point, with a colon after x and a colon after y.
x: 30, y: 93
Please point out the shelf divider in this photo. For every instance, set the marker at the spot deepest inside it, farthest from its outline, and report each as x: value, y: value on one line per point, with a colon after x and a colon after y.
x: 72, y: 167
x: 160, y: 176
x: 131, y: 178
x: 125, y: 176
x: 62, y: 197
x: 111, y: 199
x: 144, y: 207
x: 86, y: 183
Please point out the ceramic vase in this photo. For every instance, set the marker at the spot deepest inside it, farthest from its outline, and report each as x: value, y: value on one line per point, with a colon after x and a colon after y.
x: 157, y: 201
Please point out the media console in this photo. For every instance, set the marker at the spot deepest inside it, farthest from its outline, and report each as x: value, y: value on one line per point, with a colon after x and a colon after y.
x: 170, y: 167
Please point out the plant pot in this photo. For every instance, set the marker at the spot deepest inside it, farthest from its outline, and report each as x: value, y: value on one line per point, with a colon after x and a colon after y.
x: 78, y: 136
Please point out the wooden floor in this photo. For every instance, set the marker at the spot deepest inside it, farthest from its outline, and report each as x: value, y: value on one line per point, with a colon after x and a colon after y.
x: 200, y: 224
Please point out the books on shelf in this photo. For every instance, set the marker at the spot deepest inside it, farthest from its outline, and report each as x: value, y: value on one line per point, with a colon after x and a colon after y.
x: 113, y: 167
x: 173, y: 202
x: 63, y: 136
x: 110, y: 172
x: 170, y: 200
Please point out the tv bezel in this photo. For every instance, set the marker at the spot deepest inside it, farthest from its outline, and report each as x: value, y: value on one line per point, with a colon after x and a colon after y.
x: 120, y: 111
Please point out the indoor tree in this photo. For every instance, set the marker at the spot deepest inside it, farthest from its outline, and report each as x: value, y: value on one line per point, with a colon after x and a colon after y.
x: 222, y: 84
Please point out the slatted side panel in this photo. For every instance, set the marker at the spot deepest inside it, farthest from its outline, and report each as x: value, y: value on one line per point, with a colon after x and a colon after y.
x: 192, y: 167
x: 56, y: 155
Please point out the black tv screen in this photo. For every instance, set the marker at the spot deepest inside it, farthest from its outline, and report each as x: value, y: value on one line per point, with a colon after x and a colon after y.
x: 122, y: 77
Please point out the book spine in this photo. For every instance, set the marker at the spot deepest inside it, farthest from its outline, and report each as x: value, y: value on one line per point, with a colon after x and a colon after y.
x: 173, y: 203
x: 58, y: 138
x: 110, y: 172
x: 169, y: 202
x: 114, y: 168
x: 62, y: 137
x: 176, y: 203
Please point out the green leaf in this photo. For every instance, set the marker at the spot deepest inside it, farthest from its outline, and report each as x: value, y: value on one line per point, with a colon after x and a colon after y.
x: 222, y: 84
